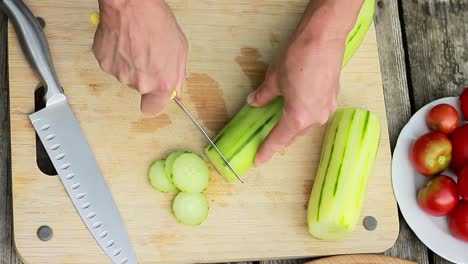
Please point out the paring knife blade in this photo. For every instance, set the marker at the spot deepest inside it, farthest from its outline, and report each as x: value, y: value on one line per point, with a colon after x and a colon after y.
x: 66, y: 145
x: 194, y: 120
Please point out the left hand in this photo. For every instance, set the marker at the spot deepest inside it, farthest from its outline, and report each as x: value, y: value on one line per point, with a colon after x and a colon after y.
x: 307, y: 76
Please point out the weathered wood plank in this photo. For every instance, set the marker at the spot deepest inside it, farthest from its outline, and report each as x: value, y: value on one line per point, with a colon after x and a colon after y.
x: 437, y: 47
x: 290, y: 261
x: 397, y: 100
x: 7, y: 252
x: 436, y: 33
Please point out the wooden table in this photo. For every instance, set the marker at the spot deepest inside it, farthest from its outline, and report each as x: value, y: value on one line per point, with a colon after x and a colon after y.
x: 423, y: 55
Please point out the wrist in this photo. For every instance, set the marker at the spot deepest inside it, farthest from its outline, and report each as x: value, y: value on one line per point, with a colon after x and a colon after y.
x: 328, y: 20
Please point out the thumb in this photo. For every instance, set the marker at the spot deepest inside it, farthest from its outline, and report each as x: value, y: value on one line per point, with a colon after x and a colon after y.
x: 264, y: 94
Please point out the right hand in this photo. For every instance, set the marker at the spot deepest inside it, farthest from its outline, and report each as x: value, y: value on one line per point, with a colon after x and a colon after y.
x: 142, y: 45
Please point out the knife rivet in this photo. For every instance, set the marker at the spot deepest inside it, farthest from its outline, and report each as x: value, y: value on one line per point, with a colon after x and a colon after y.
x: 41, y: 21
x: 370, y: 223
x: 44, y: 233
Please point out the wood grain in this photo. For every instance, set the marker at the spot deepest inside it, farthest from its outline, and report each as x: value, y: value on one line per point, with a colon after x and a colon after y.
x: 7, y: 251
x: 437, y: 48
x: 361, y: 259
x: 264, y: 218
x: 436, y: 33
x: 397, y: 101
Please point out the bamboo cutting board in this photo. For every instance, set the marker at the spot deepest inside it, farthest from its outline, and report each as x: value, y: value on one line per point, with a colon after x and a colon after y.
x: 231, y: 44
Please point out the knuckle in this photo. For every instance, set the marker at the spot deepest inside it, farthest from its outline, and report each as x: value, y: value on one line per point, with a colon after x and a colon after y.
x: 299, y: 121
x: 322, y: 118
x: 105, y: 66
x: 166, y: 88
x: 143, y: 89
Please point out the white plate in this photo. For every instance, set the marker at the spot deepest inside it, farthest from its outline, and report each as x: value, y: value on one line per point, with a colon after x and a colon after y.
x: 432, y: 231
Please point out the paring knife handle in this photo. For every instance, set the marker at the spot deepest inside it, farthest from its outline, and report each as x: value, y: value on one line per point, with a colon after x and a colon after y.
x: 34, y: 44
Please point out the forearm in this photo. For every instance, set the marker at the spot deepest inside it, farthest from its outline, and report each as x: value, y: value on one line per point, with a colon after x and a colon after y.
x: 328, y: 19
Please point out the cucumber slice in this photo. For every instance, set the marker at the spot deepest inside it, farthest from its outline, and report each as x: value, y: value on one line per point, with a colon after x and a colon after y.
x: 158, y: 178
x: 190, y: 208
x: 170, y: 162
x: 190, y: 173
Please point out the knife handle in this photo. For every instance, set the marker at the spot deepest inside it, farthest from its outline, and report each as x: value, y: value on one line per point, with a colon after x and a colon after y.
x: 34, y: 44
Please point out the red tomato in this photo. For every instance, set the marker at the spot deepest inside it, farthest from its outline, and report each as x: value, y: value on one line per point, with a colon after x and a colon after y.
x: 458, y: 221
x: 462, y: 183
x: 431, y: 153
x: 443, y: 118
x: 459, y: 139
x: 438, y: 197
x: 464, y: 103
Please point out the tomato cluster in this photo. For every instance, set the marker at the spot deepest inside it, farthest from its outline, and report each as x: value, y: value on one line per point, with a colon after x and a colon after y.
x: 445, y: 147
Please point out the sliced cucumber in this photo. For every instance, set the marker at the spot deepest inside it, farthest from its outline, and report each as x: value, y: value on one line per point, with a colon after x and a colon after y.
x: 158, y: 178
x: 190, y: 173
x: 170, y: 162
x: 190, y: 208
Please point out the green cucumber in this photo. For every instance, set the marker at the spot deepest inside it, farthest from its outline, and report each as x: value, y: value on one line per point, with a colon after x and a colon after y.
x: 241, y: 138
x: 349, y: 152
x: 190, y: 208
x: 170, y: 162
x: 359, y: 31
x: 158, y: 178
x: 190, y: 173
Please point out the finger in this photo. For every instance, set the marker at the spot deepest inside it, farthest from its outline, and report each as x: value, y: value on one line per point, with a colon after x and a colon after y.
x: 304, y: 131
x: 280, y: 136
x: 180, y: 83
x: 264, y: 94
x: 152, y: 104
x: 155, y: 94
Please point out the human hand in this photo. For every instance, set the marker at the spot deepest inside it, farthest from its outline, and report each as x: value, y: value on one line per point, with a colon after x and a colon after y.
x: 307, y: 76
x: 142, y: 45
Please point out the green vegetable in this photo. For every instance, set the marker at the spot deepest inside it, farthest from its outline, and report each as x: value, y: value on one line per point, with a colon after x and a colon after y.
x: 190, y: 173
x: 359, y: 31
x: 170, y: 162
x: 158, y: 178
x: 240, y: 140
x: 190, y: 208
x: 350, y: 148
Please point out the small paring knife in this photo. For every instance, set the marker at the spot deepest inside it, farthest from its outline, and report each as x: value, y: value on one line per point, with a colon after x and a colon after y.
x: 181, y: 105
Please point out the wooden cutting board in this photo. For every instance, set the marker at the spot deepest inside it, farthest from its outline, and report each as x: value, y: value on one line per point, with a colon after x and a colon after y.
x: 231, y: 44
x: 361, y: 259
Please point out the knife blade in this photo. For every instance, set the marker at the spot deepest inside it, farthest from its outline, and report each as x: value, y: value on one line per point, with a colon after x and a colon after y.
x: 66, y: 144
x: 194, y: 120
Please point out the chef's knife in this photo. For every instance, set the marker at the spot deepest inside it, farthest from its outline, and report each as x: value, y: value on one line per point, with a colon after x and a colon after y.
x: 66, y: 145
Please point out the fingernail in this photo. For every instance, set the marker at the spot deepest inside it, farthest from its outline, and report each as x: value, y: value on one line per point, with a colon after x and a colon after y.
x: 250, y: 98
